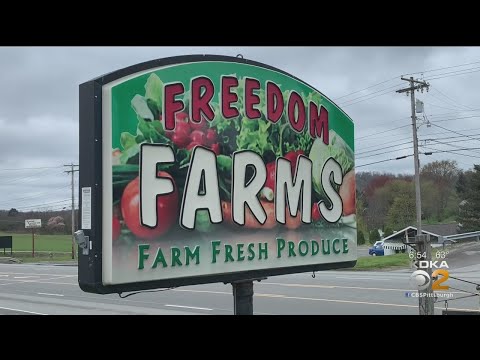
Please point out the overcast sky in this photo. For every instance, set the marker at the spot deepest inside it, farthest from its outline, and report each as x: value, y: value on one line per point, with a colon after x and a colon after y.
x: 39, y: 105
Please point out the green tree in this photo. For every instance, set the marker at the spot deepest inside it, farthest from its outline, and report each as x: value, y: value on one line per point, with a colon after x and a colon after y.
x: 388, y: 231
x: 374, y: 236
x: 469, y: 210
x: 402, y: 212
x: 360, y: 237
x: 444, y: 175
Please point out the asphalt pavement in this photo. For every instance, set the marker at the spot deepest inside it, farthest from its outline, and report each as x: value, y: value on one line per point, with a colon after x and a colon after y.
x: 49, y: 290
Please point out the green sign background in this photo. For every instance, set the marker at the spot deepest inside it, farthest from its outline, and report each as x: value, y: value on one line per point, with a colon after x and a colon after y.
x: 130, y: 130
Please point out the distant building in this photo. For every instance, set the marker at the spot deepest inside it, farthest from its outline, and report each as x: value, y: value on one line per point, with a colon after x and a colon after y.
x: 439, y: 233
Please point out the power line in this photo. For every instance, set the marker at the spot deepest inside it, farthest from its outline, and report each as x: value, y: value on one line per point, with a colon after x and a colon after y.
x: 371, y: 97
x: 369, y: 87
x: 453, y: 131
x: 379, y: 146
x: 442, y: 68
x: 42, y: 205
x: 37, y: 195
x: 382, y: 132
x: 459, y: 73
x: 381, y: 161
x: 32, y: 168
x: 385, y: 152
x: 443, y: 101
x: 453, y: 101
x: 448, y: 144
x: 437, y: 151
x: 375, y: 92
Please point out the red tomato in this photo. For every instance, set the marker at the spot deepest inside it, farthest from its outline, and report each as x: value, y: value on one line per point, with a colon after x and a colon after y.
x: 211, y: 136
x: 116, y: 228
x: 197, y: 136
x: 216, y: 149
x: 316, y: 216
x: 167, y: 209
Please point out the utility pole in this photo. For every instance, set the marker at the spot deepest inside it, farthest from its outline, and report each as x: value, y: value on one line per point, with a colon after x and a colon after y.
x: 425, y: 301
x: 72, y: 171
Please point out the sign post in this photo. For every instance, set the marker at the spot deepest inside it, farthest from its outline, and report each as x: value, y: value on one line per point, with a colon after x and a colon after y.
x: 203, y: 169
x: 33, y: 224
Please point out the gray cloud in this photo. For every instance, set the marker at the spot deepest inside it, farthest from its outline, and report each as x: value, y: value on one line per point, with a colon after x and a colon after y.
x: 39, y: 102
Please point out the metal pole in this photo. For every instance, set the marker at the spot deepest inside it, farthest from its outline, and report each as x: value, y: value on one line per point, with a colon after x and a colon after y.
x: 425, y: 303
x: 418, y: 199
x: 33, y: 243
x: 73, y: 213
x: 243, y: 297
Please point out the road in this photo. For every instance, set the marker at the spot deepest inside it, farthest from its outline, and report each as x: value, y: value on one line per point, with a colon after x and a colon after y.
x: 48, y: 290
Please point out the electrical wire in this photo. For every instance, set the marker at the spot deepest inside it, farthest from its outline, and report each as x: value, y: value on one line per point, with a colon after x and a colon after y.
x: 381, y: 161
x: 382, y: 147
x: 443, y: 101
x: 32, y: 168
x: 452, y: 145
x: 383, y: 132
x: 455, y: 74
x: 369, y: 98
x: 453, y: 131
x: 369, y: 87
x: 342, y: 103
x: 452, y: 100
x: 442, y: 68
x: 143, y: 291
x: 385, y: 152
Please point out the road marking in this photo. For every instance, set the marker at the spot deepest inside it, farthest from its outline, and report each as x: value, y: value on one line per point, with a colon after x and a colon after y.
x: 189, y: 307
x: 279, y: 296
x: 360, y: 278
x: 204, y: 291
x: 25, y: 277
x: 3, y: 275
x: 36, y: 274
x: 41, y: 281
x: 345, y: 287
x: 50, y: 294
x: 25, y: 311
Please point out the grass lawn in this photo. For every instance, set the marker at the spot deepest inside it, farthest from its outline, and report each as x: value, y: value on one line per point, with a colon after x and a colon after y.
x: 53, y: 243
x: 26, y: 257
x: 382, y: 262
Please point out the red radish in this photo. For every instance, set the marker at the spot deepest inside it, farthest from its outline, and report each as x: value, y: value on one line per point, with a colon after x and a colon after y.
x: 292, y: 156
x: 192, y: 145
x: 216, y: 148
x: 270, y: 183
x: 347, y: 193
x: 316, y: 216
x: 211, y: 136
x: 180, y: 139
x: 202, y: 125
x: 197, y: 136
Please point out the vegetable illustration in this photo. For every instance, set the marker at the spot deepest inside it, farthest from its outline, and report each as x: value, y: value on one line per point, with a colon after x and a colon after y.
x: 167, y: 209
x: 225, y: 135
x: 347, y: 193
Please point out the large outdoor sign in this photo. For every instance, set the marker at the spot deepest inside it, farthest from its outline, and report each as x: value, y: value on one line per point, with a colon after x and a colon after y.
x: 33, y: 223
x: 209, y: 168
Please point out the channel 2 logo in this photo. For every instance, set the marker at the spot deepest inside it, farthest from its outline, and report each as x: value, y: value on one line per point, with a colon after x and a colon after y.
x: 421, y: 280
